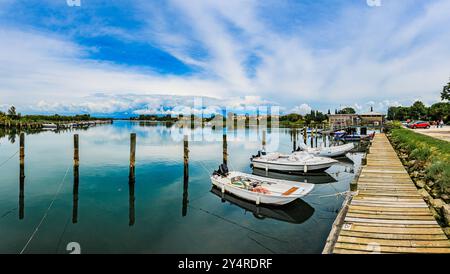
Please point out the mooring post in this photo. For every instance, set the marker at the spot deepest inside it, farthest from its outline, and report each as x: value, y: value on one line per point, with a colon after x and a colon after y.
x: 264, y: 140
x: 294, y: 140
x: 132, y: 153
x: 364, y: 160
x: 186, y: 175
x: 22, y: 149
x: 305, y: 136
x: 354, y: 186
x: 76, y: 151
x: 225, y: 148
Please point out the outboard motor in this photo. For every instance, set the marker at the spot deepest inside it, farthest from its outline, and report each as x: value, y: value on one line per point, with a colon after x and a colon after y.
x: 257, y: 155
x: 222, y: 171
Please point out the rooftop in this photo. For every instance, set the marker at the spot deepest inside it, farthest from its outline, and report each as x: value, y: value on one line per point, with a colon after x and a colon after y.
x: 372, y: 114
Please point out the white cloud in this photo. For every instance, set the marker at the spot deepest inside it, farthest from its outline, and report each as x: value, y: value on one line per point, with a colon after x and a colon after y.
x: 303, y: 109
x: 362, y: 59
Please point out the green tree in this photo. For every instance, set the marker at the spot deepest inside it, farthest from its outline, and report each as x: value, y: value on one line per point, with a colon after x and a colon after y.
x: 392, y: 113
x: 347, y: 110
x: 440, y: 111
x: 418, y: 110
x: 445, y: 94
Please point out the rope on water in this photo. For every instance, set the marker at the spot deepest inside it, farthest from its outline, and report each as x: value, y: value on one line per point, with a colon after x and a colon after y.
x: 335, y: 194
x: 4, y: 162
x: 261, y: 245
x: 205, y: 168
x: 237, y: 224
x: 46, y: 212
x: 62, y: 234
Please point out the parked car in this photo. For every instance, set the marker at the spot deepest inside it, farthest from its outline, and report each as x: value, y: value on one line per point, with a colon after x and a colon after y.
x: 419, y: 124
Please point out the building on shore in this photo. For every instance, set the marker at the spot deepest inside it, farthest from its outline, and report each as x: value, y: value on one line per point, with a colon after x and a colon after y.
x: 372, y: 118
x: 345, y: 120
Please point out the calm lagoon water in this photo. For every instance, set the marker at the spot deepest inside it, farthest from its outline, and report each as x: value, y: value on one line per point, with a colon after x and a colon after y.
x: 108, y: 218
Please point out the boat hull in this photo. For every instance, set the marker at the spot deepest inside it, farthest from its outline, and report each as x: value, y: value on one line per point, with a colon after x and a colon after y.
x: 260, y: 198
x: 332, y: 152
x: 290, y: 167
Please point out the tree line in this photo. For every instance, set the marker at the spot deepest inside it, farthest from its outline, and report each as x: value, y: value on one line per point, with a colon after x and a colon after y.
x: 12, y: 114
x: 418, y: 111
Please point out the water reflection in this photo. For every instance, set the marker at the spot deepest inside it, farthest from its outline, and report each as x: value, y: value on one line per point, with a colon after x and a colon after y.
x: 296, y: 212
x: 22, y: 192
x: 76, y: 181
x: 131, y: 199
x: 185, y: 176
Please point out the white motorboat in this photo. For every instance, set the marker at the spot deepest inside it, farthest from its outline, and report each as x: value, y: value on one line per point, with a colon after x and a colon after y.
x: 296, y: 162
x: 259, y: 189
x: 332, y: 151
x: 49, y: 126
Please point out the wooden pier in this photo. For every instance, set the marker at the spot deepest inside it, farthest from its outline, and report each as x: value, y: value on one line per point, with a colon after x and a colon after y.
x: 387, y: 214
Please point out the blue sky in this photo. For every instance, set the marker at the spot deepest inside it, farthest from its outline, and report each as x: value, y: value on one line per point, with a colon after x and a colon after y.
x: 136, y: 56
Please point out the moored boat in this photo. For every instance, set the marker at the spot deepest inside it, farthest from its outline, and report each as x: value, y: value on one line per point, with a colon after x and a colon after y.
x: 332, y: 151
x: 296, y: 162
x: 343, y: 136
x: 259, y: 189
x: 49, y: 126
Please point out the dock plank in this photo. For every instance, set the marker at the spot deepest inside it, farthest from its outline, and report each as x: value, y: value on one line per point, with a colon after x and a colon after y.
x: 387, y: 214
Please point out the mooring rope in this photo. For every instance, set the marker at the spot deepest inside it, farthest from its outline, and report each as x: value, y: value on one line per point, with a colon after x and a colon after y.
x: 237, y: 224
x: 46, y: 212
x: 62, y: 234
x: 8, y: 159
x: 261, y: 245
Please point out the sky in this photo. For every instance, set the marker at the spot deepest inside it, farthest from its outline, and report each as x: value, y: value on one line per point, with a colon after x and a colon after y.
x: 129, y: 57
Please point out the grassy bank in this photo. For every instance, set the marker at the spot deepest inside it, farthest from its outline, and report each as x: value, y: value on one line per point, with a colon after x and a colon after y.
x: 428, y: 162
x: 426, y: 155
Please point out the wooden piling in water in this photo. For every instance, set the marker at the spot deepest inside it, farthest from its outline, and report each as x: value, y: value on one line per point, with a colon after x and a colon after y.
x: 76, y: 151
x: 364, y: 160
x: 294, y: 140
x: 225, y: 149
x: 186, y: 175
x: 22, y: 148
x: 132, y: 153
x: 305, y: 135
x: 264, y: 139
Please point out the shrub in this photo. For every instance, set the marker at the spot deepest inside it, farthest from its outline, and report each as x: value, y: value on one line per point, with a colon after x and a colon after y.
x: 433, y: 155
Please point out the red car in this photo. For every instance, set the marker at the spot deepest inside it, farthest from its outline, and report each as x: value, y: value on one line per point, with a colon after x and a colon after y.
x: 419, y: 124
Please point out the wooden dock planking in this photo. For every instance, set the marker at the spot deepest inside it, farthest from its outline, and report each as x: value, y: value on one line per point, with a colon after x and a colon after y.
x: 387, y: 215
